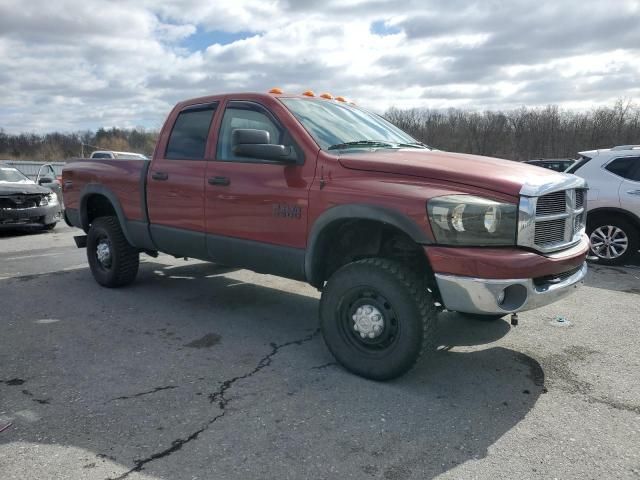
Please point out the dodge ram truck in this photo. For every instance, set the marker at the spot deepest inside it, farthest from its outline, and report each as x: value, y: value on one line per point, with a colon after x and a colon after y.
x: 317, y: 189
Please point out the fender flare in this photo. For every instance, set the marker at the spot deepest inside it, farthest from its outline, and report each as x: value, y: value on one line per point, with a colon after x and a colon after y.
x: 355, y: 212
x: 96, y: 189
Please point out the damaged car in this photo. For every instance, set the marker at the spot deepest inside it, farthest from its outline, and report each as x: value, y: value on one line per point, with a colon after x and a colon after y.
x: 25, y: 203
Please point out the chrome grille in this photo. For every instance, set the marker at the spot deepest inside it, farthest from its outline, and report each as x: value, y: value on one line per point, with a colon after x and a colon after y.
x: 552, y: 203
x: 550, y: 232
x: 552, y: 221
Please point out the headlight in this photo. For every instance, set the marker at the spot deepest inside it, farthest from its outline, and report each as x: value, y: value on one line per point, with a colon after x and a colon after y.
x: 471, y: 220
x: 49, y: 199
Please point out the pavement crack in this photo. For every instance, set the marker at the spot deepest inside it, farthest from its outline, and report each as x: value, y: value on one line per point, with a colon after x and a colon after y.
x: 216, y: 397
x: 149, y: 392
x: 264, y: 362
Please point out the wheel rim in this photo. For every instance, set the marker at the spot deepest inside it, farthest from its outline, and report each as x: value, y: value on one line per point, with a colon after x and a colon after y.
x: 103, y: 253
x: 368, y: 321
x: 609, y: 242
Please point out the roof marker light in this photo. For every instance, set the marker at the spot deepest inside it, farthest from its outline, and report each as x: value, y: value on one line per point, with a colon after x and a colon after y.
x: 341, y: 99
x: 276, y: 90
x: 328, y: 96
x: 308, y: 93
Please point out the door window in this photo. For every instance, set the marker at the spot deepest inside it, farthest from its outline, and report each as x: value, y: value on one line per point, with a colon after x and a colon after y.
x: 627, y: 167
x: 241, y: 115
x: 188, y: 139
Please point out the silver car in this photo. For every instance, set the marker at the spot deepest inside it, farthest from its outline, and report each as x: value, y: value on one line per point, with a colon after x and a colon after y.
x: 613, y: 219
x: 25, y: 203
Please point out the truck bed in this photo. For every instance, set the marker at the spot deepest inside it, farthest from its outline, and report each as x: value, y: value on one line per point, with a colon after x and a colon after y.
x: 125, y: 179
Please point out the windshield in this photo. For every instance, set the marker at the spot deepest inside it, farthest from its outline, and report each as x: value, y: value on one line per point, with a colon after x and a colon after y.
x: 12, y: 175
x: 338, y: 125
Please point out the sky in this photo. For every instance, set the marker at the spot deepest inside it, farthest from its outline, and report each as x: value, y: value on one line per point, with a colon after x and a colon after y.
x: 68, y: 65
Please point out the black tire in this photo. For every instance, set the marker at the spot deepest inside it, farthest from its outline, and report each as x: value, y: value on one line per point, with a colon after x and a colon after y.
x: 408, y: 314
x: 629, y: 230
x: 123, y: 262
x: 50, y: 226
x: 481, y: 318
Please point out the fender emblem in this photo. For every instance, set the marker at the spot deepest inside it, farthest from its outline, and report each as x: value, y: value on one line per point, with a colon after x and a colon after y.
x: 286, y: 211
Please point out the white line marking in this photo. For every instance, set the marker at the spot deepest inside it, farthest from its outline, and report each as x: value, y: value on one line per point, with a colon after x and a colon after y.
x: 35, y: 256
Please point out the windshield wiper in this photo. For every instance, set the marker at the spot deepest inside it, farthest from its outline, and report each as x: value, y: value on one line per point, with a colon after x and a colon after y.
x: 413, y: 145
x: 360, y: 143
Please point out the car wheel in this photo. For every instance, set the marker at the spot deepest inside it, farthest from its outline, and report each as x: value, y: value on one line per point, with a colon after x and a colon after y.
x: 377, y: 318
x: 113, y: 261
x: 613, y: 241
x: 482, y: 318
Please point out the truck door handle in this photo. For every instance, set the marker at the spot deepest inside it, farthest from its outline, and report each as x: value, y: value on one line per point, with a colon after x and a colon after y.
x: 160, y: 176
x: 633, y: 192
x: 219, y: 181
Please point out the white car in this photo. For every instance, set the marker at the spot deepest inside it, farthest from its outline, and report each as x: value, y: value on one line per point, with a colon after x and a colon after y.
x: 117, y: 155
x: 613, y: 206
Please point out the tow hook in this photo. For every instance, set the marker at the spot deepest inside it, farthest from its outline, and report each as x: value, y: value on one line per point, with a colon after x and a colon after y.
x: 514, y: 319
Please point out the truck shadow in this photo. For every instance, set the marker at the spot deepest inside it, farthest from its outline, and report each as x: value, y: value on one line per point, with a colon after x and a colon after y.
x: 192, y: 365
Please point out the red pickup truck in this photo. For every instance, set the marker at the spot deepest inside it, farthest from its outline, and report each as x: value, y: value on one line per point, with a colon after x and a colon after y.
x: 320, y: 190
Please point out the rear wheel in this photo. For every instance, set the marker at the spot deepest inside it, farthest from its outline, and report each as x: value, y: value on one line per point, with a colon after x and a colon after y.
x: 376, y: 318
x: 613, y: 240
x: 113, y: 261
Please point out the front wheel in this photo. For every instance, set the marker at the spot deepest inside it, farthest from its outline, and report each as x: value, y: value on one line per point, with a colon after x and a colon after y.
x: 377, y: 318
x: 113, y: 261
x: 614, y: 241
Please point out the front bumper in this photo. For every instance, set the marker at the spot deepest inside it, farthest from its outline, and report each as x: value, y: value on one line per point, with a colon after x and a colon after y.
x: 482, y: 296
x: 28, y: 217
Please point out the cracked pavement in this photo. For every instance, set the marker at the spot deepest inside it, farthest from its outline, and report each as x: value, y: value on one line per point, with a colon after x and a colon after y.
x: 202, y: 372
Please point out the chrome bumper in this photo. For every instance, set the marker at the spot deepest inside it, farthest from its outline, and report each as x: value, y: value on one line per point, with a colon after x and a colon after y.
x: 479, y: 295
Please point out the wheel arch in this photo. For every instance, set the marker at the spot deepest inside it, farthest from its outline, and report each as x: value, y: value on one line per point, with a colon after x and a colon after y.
x: 333, y: 219
x: 96, y: 201
x: 620, y: 212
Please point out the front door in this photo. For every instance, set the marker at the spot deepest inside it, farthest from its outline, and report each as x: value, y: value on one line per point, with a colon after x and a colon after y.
x: 256, y: 209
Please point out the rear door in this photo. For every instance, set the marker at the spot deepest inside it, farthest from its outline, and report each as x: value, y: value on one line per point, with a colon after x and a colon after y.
x: 630, y: 186
x: 175, y: 183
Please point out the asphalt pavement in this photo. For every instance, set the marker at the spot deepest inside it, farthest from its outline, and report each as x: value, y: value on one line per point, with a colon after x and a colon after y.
x: 198, y: 371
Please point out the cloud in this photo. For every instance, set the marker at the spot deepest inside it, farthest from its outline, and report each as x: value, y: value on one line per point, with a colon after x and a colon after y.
x: 74, y: 64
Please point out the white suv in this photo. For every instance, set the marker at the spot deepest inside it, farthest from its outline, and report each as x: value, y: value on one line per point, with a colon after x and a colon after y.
x: 613, y: 205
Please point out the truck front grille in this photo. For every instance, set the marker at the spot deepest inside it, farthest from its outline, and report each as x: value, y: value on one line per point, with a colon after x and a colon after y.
x: 552, y: 221
x: 550, y: 232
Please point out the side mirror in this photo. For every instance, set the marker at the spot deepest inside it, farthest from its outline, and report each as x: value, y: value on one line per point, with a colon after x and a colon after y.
x: 45, y: 180
x: 249, y: 142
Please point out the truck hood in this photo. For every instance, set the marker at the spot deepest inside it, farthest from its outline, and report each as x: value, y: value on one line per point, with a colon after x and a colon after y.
x: 19, y: 188
x: 503, y: 176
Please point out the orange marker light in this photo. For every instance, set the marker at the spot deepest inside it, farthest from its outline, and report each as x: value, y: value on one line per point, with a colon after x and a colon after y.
x: 276, y: 90
x: 328, y: 96
x: 308, y: 93
x: 341, y: 99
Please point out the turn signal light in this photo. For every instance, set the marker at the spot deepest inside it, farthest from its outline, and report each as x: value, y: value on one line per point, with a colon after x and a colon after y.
x: 308, y: 93
x: 328, y: 96
x: 276, y: 90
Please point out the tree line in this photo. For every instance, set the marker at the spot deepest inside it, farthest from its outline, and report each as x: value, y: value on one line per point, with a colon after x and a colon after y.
x: 62, y: 146
x: 520, y: 134
x: 524, y: 133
